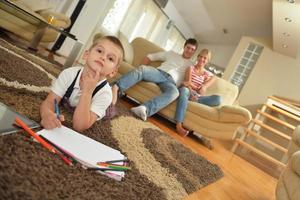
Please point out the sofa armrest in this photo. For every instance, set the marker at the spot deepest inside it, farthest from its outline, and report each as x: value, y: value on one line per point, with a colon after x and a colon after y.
x: 295, y: 142
x: 234, y: 113
x: 295, y: 163
x: 226, y: 113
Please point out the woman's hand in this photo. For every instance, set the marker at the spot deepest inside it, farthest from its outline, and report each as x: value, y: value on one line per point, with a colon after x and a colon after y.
x: 186, y: 84
x: 202, y: 90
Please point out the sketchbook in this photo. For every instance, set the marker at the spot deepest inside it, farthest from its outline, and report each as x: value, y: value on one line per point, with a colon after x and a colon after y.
x: 84, y: 149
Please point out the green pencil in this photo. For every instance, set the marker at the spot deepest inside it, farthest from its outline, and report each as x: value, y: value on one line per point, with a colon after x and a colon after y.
x: 105, y: 169
x: 112, y: 166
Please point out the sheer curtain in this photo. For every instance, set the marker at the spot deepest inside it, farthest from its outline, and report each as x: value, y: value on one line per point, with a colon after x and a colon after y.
x: 140, y: 18
x: 112, y: 22
x: 145, y: 19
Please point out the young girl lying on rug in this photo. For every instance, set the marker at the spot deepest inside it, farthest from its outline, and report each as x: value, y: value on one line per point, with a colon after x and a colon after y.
x: 85, y: 88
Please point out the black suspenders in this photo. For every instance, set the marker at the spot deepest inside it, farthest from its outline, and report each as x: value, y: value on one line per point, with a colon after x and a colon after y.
x: 71, y: 87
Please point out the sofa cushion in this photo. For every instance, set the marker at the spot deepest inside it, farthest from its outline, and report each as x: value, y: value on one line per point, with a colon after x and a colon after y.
x: 225, y: 89
x: 36, y: 5
x: 141, y: 49
x: 295, y: 163
x: 128, y: 57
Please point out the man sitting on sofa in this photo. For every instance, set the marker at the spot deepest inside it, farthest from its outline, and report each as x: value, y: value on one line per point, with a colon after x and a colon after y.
x: 168, y: 76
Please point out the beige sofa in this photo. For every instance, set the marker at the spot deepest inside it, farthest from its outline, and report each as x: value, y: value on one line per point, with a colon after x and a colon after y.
x: 288, y: 187
x: 215, y: 122
x: 24, y: 26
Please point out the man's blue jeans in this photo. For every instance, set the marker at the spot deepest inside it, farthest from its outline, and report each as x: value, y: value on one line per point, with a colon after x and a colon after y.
x: 169, y: 91
x: 182, y: 102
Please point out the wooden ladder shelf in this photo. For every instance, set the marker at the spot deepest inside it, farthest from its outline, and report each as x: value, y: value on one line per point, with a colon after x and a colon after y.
x: 281, y: 113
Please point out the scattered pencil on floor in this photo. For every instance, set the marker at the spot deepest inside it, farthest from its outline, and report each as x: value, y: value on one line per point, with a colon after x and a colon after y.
x: 113, y: 166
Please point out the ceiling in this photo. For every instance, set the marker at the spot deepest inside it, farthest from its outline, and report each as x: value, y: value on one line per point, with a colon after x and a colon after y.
x: 226, y: 21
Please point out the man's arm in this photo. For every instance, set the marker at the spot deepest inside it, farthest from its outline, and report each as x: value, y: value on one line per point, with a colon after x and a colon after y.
x: 159, y: 56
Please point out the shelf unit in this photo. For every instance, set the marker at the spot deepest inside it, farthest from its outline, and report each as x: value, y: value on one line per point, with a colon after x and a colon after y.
x: 269, y: 133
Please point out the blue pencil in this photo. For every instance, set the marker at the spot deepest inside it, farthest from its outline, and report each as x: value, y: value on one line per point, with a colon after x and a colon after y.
x: 56, y: 108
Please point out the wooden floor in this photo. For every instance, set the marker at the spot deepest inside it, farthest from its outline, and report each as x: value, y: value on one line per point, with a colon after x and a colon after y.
x: 241, y: 181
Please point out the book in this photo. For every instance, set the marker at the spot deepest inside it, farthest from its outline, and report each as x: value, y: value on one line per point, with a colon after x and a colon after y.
x: 83, y: 149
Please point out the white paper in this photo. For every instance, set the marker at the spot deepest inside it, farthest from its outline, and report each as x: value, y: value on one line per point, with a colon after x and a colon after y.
x: 84, y: 149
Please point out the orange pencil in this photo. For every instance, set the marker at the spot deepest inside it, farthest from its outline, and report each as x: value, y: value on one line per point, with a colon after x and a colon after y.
x: 43, y: 142
x: 33, y: 134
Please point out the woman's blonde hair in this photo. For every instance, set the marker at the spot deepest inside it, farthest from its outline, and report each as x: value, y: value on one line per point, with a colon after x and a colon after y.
x: 206, y: 52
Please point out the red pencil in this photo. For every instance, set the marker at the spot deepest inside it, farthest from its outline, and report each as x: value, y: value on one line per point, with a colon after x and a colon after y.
x: 43, y: 142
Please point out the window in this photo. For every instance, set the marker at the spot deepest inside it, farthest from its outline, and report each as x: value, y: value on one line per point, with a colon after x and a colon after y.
x: 145, y: 19
x: 246, y: 64
x: 115, y: 16
x: 175, y: 40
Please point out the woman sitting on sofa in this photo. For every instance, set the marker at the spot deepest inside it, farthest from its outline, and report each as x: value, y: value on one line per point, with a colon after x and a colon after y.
x: 197, y: 80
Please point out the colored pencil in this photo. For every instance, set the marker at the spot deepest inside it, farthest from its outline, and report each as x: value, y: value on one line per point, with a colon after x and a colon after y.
x: 59, y: 149
x: 56, y: 108
x: 114, y: 161
x: 111, y: 166
x: 104, y: 169
x: 34, y: 135
x: 41, y: 141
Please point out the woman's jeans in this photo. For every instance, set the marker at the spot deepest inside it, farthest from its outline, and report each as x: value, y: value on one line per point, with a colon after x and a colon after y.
x: 165, y: 82
x: 182, y: 102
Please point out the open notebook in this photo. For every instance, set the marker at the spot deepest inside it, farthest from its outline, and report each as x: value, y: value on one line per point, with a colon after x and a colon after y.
x: 84, y: 149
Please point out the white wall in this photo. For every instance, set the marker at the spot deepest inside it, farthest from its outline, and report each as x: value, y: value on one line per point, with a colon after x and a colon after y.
x: 221, y: 54
x: 173, y: 14
x: 273, y: 74
x: 85, y: 23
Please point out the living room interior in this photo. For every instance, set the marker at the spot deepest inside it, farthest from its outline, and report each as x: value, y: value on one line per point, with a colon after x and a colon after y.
x: 255, y: 46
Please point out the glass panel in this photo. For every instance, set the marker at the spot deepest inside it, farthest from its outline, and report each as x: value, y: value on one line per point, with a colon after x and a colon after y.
x: 244, y: 61
x: 247, y: 54
x: 259, y: 49
x: 254, y: 57
x: 251, y: 64
x: 240, y: 69
x: 247, y: 62
x: 251, y: 47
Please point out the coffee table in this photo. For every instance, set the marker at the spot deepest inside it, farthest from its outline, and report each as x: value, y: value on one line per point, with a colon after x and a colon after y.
x: 42, y: 25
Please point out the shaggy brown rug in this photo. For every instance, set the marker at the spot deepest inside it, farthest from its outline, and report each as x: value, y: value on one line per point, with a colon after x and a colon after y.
x: 162, y: 168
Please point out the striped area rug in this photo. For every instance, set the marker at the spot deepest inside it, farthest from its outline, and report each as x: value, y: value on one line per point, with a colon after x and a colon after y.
x: 162, y: 168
